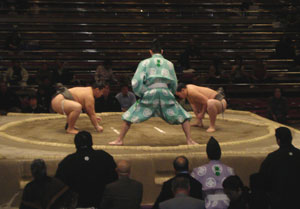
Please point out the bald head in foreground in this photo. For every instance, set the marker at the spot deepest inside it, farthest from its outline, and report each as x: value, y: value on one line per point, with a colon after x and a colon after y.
x: 125, y: 193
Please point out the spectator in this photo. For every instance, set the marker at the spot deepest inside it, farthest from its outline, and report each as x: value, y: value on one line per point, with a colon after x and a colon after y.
x: 285, y: 48
x: 46, y: 192
x: 212, y: 175
x: 14, y: 41
x: 87, y: 171
x: 9, y: 100
x: 44, y: 74
x: 107, y: 102
x: 125, y: 193
x: 34, y: 106
x: 181, y: 190
x: 238, y: 73
x: 280, y: 172
x: 181, y: 168
x: 191, y: 51
x: 258, y: 197
x: 104, y: 73
x: 260, y: 73
x: 126, y: 98
x: 236, y: 192
x: 216, y: 74
x: 17, y: 75
x: 61, y: 74
x: 278, y: 107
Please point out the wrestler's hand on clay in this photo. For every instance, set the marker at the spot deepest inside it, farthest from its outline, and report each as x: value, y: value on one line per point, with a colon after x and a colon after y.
x: 99, y: 128
x: 99, y: 118
x: 199, y: 122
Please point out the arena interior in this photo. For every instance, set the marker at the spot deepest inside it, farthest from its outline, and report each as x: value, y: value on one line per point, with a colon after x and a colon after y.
x: 79, y: 35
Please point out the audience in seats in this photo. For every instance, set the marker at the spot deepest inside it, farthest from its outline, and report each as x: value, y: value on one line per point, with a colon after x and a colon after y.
x: 181, y: 190
x: 236, y: 192
x: 104, y: 73
x: 212, y: 175
x: 192, y: 51
x: 46, y: 192
x: 61, y: 74
x: 285, y: 48
x: 260, y: 73
x: 216, y: 74
x: 181, y: 168
x: 17, y: 75
x: 124, y: 193
x: 126, y: 98
x: 9, y: 100
x: 238, y: 73
x: 107, y: 102
x: 34, y: 106
x: 278, y: 107
x: 280, y: 172
x: 87, y: 171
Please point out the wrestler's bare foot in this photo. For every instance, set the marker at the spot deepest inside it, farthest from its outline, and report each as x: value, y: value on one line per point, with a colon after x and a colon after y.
x: 191, y: 142
x: 210, y: 130
x: 72, y: 131
x: 99, y: 129
x: 116, y: 142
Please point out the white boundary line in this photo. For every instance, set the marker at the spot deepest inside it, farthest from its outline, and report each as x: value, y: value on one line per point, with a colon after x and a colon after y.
x: 159, y: 130
x: 115, y: 130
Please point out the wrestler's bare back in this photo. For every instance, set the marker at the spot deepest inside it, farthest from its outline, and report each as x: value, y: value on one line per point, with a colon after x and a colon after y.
x: 82, y: 95
x: 199, y: 95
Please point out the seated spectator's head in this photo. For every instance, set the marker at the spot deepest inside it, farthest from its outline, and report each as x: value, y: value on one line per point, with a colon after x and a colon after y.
x: 124, y: 89
x: 38, y: 169
x: 98, y: 89
x: 123, y: 168
x: 83, y: 140
x: 181, y: 164
x: 181, y: 185
x: 283, y: 136
x: 181, y: 91
x: 233, y: 187
x: 106, y: 90
x: 277, y: 93
x: 33, y: 101
x: 213, y: 149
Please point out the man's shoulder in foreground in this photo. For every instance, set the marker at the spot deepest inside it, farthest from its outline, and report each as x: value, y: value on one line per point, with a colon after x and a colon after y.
x: 182, y: 201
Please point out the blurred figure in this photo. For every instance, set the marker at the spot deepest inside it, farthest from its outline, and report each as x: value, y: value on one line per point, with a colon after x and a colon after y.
x: 212, y: 175
x: 216, y: 74
x: 126, y: 98
x: 181, y: 190
x: 238, y: 73
x: 124, y: 193
x: 9, y: 100
x: 181, y: 169
x: 46, y: 192
x: 107, y: 102
x: 34, y: 106
x: 260, y: 73
x: 87, y: 171
x: 285, y: 48
x: 104, y: 73
x: 192, y: 51
x: 280, y: 172
x: 278, y: 107
x: 236, y: 192
x: 61, y: 74
x: 17, y: 75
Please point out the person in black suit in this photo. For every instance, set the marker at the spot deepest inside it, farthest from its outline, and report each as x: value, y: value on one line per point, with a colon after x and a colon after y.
x: 87, y: 171
x: 181, y: 167
x: 181, y: 189
x: 125, y: 193
x: 280, y: 172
